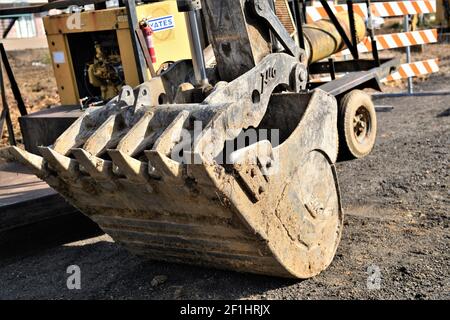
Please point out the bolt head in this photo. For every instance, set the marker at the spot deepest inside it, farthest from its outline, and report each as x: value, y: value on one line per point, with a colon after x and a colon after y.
x: 302, y: 75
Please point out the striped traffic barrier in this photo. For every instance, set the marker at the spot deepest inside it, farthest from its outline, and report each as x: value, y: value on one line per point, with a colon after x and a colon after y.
x: 396, y: 40
x: 404, y: 71
x: 414, y: 69
x: 379, y: 9
x: 389, y: 41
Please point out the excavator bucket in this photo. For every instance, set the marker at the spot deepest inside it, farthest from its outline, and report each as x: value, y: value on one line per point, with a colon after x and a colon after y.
x: 234, y: 169
x: 244, y: 180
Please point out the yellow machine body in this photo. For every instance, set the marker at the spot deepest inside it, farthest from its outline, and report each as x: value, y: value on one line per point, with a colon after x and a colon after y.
x: 170, y: 39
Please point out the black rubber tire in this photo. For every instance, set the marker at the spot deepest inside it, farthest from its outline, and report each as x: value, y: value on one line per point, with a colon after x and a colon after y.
x: 353, y: 145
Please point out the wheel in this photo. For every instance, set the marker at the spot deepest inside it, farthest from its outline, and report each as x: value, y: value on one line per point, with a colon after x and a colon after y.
x: 357, y: 125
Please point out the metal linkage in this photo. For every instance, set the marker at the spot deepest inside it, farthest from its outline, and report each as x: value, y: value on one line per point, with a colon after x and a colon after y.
x: 5, y: 115
x: 139, y: 56
x: 192, y: 8
x: 414, y: 94
x: 299, y: 6
x: 9, y: 27
x: 263, y: 10
x: 351, y: 18
x: 351, y: 46
x: 372, y: 33
x: 14, y: 87
x: 408, y: 54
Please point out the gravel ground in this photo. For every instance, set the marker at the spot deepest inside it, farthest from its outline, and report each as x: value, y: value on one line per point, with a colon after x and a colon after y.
x: 397, y: 230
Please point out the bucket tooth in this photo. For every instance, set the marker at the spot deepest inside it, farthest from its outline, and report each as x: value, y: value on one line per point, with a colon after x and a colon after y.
x: 74, y: 136
x: 99, y: 140
x: 64, y: 165
x: 159, y: 156
x: 207, y: 146
x: 34, y: 162
x: 132, y: 168
x: 80, y: 131
x: 96, y: 167
x: 169, y: 169
x: 140, y: 137
x: 172, y: 134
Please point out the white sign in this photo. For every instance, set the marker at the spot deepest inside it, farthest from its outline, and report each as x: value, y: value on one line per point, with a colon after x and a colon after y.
x: 162, y: 23
x: 58, y: 57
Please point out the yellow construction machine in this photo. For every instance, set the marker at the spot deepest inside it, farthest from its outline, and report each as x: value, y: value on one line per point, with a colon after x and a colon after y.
x: 224, y: 156
x: 94, y: 54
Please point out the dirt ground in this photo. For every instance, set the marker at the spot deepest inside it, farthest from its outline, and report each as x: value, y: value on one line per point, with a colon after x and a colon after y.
x: 34, y: 74
x: 396, y: 203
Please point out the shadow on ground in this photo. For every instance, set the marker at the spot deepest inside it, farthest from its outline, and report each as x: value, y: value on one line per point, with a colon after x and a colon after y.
x: 124, y: 276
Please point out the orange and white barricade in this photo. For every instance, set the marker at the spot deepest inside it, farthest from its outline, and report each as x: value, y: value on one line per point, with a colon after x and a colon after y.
x: 390, y: 41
